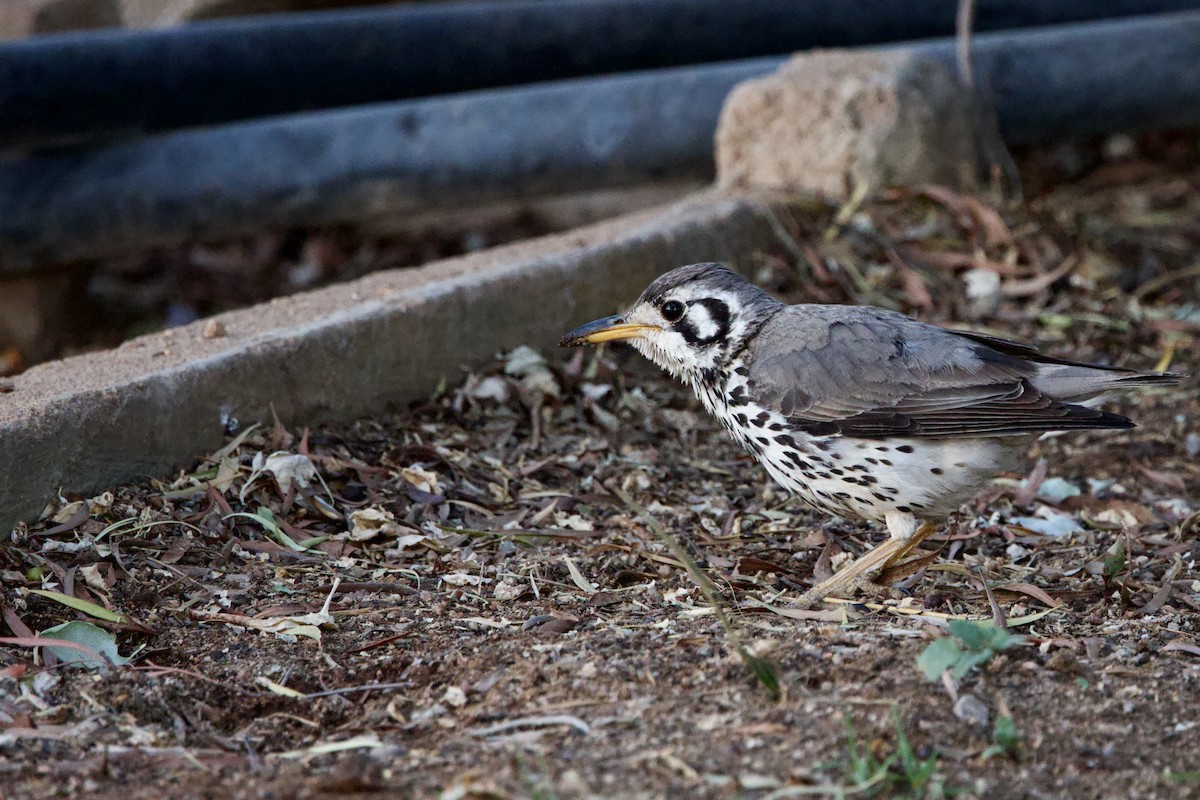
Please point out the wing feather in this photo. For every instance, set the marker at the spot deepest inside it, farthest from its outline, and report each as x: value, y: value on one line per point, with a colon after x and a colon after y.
x: 870, y: 373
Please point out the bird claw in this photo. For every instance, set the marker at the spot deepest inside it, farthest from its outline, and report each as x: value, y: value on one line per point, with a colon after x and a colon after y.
x: 863, y: 583
x: 860, y: 575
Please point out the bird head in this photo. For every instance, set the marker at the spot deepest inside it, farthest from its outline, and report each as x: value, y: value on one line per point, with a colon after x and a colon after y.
x: 688, y: 321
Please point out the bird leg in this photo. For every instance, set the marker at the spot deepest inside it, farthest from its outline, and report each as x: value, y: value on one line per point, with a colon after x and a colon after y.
x: 859, y: 574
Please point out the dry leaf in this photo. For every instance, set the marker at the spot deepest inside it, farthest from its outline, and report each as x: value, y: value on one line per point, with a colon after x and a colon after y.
x: 421, y: 478
x: 367, y: 523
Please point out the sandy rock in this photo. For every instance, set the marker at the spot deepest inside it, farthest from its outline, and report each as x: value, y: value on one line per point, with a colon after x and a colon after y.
x: 828, y: 120
x: 21, y: 18
x: 159, y: 13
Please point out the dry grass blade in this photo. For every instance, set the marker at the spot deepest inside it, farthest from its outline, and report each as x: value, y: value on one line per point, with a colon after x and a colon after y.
x: 533, y: 722
x: 1163, y: 281
x: 807, y: 615
x: 1164, y: 591
x: 1181, y: 646
x: 997, y: 613
x: 1032, y: 591
x: 578, y: 579
x: 86, y: 606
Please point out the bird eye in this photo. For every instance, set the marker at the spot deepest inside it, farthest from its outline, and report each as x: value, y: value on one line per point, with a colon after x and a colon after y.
x: 672, y: 310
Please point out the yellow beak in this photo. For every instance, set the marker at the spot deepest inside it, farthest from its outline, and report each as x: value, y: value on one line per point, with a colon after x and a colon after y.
x: 604, y: 330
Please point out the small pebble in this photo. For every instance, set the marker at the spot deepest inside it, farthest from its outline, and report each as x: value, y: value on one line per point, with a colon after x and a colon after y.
x: 213, y: 329
x: 1192, y: 444
x: 971, y: 710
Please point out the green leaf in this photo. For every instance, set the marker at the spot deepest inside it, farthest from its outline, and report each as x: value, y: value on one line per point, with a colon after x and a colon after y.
x: 978, y: 635
x: 1115, y: 559
x: 313, y: 541
x: 102, y: 644
x: 1016, y: 622
x: 908, y: 759
x: 970, y: 644
x: 266, y: 519
x: 86, y: 606
x: 973, y: 634
x: 1187, y: 776
x: 969, y: 661
x: 1005, y: 737
x: 765, y: 673
x: 917, y: 772
x: 939, y: 656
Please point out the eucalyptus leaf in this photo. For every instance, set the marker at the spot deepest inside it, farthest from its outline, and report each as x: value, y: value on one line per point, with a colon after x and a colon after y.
x: 939, y: 656
x: 102, y: 643
x: 86, y: 606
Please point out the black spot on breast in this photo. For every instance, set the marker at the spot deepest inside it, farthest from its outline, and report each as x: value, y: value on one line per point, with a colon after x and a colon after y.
x: 775, y: 426
x: 741, y: 419
x: 885, y: 462
x: 883, y: 449
x: 937, y: 470
x: 762, y: 418
x: 905, y: 448
x: 872, y: 461
x: 787, y: 440
x: 879, y: 496
x: 869, y: 479
x: 762, y: 440
x: 904, y: 509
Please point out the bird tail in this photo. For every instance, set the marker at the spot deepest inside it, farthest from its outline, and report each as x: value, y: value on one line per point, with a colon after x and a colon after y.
x: 1078, y: 383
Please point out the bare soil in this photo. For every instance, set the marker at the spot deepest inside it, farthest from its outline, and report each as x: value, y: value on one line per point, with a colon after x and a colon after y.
x: 471, y: 601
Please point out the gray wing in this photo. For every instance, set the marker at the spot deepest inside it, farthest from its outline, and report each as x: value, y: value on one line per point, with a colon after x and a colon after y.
x: 869, y: 373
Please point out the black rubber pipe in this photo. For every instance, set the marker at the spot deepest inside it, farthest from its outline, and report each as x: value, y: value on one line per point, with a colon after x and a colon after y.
x: 70, y: 88
x: 392, y: 158
x: 1137, y: 74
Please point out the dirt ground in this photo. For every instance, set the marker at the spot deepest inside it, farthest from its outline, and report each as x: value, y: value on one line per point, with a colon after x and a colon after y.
x: 470, y: 600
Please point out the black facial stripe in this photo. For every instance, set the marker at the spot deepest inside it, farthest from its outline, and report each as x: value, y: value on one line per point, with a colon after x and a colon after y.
x: 688, y: 331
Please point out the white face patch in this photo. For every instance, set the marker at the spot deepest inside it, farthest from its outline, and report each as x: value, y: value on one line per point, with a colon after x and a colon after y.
x: 702, y: 322
x: 670, y: 348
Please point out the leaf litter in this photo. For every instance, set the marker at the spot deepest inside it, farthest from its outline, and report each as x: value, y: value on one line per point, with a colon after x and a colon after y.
x: 461, y: 590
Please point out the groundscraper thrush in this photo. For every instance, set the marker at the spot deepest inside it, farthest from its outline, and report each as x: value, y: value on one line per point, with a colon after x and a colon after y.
x: 858, y: 411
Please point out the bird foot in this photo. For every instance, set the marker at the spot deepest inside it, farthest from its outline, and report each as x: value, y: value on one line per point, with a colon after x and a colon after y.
x: 859, y: 575
x: 860, y: 584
